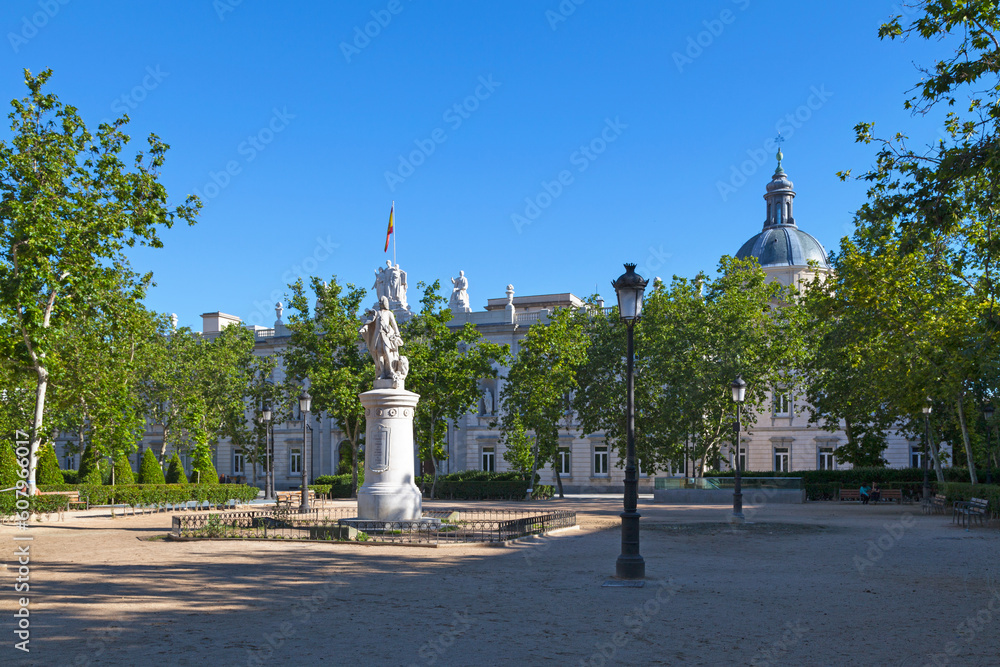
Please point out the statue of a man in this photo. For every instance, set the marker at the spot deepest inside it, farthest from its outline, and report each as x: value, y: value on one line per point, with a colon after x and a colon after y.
x: 459, y: 296
x: 381, y: 335
x: 381, y: 285
x: 396, y: 284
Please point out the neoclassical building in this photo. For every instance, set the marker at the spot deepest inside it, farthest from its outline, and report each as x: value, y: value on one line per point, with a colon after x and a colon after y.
x: 782, y: 439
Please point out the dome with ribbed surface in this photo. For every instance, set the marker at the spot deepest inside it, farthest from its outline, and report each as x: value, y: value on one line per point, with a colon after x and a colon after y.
x: 784, y: 246
x: 782, y: 243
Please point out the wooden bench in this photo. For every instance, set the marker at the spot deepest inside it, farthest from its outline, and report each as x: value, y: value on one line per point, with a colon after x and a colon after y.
x: 292, y: 499
x: 965, y: 512
x: 850, y: 494
x: 73, y: 500
x: 891, y: 494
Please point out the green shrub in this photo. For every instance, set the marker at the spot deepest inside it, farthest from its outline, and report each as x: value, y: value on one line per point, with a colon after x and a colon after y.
x: 175, y: 471
x: 90, y: 467
x: 123, y: 471
x: 148, y: 494
x: 965, y: 491
x: 150, y: 471
x: 48, y: 467
x: 340, y: 485
x: 70, y: 476
x: 203, y: 470
x: 8, y: 466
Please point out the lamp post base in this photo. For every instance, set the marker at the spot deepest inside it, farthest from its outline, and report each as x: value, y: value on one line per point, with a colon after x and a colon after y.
x: 630, y: 567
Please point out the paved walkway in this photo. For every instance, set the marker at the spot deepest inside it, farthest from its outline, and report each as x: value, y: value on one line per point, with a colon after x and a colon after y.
x: 814, y: 584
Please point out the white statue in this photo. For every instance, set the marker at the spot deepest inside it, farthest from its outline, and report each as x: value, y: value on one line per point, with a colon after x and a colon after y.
x: 278, y: 310
x: 390, y: 282
x: 487, y: 401
x: 459, y: 302
x: 381, y: 335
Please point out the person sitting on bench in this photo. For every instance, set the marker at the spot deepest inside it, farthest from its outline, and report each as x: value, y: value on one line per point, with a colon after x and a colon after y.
x: 876, y: 493
x: 865, y: 497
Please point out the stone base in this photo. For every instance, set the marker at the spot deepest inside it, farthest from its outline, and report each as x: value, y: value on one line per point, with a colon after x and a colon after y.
x: 389, y: 502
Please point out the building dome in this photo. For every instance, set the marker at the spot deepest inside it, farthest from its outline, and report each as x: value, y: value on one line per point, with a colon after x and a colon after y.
x: 782, y: 243
x: 785, y: 245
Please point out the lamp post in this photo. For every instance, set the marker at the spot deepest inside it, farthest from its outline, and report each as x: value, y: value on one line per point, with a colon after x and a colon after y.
x: 927, y: 443
x: 988, y: 415
x: 265, y: 416
x: 305, y: 401
x: 739, y: 388
x: 630, y: 564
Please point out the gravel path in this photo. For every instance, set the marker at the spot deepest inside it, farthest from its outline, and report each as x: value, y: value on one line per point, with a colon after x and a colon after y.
x: 815, y: 584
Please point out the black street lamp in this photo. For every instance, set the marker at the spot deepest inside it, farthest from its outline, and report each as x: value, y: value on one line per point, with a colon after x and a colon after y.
x: 305, y: 402
x: 988, y: 415
x: 739, y: 387
x: 927, y: 443
x: 630, y: 564
x: 265, y: 416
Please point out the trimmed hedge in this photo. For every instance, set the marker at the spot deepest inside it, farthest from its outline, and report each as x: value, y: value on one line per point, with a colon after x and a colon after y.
x: 340, y: 485
x: 48, y: 467
x: 175, y: 471
x: 484, y: 485
x: 90, y: 467
x: 855, y: 476
x: 136, y: 495
x: 70, y: 477
x: 123, y: 471
x: 150, y: 471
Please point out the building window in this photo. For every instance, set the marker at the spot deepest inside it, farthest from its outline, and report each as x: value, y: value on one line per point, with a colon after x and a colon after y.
x: 781, y: 404
x: 295, y: 462
x: 238, y: 462
x: 601, y: 460
x: 743, y: 458
x: 826, y: 458
x: 564, y: 467
x: 489, y: 459
x: 781, y: 459
x: 916, y: 457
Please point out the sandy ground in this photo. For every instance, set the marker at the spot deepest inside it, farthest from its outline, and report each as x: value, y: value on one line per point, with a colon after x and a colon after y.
x: 815, y: 584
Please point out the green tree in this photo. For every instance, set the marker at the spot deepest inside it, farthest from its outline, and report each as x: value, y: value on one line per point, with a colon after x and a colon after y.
x: 150, y: 471
x: 48, y: 466
x: 202, y: 468
x: 69, y: 208
x: 447, y: 365
x: 325, y: 348
x: 175, y: 471
x: 695, y: 337
x: 542, y: 377
x: 123, y: 470
x: 91, y: 467
x: 8, y: 467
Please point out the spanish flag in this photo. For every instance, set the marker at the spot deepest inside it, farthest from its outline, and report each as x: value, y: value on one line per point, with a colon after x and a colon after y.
x: 389, y: 231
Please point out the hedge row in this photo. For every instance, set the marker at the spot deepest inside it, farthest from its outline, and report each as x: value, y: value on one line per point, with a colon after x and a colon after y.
x: 340, y: 485
x: 474, y: 490
x: 136, y: 495
x: 857, y: 476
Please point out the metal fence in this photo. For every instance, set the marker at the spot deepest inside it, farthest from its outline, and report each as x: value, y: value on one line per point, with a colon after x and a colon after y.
x: 439, y: 527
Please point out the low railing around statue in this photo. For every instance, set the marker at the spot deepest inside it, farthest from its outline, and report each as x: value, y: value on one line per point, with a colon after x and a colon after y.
x: 326, y: 525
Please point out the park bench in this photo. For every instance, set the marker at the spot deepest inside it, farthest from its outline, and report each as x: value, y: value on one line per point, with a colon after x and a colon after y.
x: 937, y: 505
x: 292, y: 499
x: 965, y: 511
x: 891, y: 494
x: 850, y: 494
x: 73, y: 500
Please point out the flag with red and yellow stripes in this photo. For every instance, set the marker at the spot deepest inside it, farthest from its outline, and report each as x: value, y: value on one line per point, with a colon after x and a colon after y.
x: 389, y: 231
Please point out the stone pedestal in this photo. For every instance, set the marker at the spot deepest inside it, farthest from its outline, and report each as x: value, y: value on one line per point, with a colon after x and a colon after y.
x: 389, y: 493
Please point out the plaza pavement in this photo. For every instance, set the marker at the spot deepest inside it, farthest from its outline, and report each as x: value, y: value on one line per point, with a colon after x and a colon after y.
x: 814, y: 584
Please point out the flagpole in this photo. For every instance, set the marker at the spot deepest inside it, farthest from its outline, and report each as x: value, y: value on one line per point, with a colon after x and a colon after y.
x: 394, y: 233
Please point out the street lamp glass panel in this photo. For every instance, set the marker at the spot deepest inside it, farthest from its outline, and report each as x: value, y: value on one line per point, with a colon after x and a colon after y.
x: 629, y: 287
x: 305, y: 401
x: 266, y: 414
x: 988, y: 411
x: 926, y: 409
x: 739, y: 388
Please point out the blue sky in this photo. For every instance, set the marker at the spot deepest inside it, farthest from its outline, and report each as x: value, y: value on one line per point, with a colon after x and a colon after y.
x: 539, y: 143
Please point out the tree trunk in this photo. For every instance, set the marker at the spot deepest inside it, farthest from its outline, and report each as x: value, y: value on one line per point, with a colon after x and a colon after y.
x: 434, y: 481
x: 970, y: 461
x: 36, y: 425
x: 559, y: 481
x: 935, y: 458
x: 534, y: 468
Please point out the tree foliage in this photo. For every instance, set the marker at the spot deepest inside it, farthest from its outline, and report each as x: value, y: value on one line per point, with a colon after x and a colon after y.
x: 69, y: 208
